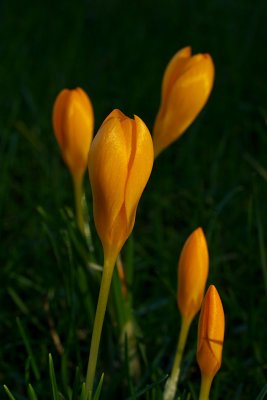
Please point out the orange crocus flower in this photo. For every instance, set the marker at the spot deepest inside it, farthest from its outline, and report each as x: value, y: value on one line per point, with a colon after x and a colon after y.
x: 187, y: 84
x: 193, y: 271
x: 73, y: 122
x: 120, y: 163
x: 210, y: 339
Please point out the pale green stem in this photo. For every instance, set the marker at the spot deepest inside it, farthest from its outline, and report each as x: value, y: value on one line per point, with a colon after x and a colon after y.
x: 78, y: 194
x: 171, y: 384
x: 205, y: 387
x: 98, y: 323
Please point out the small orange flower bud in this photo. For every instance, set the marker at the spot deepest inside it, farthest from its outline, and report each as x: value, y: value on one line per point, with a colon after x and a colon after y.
x: 210, y: 334
x: 193, y: 270
x: 73, y: 122
x: 120, y: 163
x: 186, y: 86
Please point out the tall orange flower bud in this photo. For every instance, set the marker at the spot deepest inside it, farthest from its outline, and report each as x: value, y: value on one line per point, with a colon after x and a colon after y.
x: 193, y: 270
x: 187, y: 83
x: 120, y: 163
x: 210, y: 339
x: 73, y: 122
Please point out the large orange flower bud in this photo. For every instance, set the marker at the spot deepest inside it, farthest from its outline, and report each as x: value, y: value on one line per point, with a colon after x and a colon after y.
x: 210, y: 334
x: 186, y: 86
x: 193, y: 270
x: 73, y: 122
x: 120, y: 163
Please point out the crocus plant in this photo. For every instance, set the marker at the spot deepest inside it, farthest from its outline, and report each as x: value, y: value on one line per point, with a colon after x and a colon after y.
x: 73, y: 123
x: 186, y: 86
x: 193, y: 270
x: 120, y: 163
x: 210, y: 339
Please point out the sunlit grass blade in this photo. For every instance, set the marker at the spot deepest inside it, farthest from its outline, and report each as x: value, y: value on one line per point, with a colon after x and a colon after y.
x: 29, y: 349
x: 99, y: 387
x: 53, y: 378
x: 10, y: 395
x: 31, y: 393
x: 84, y: 395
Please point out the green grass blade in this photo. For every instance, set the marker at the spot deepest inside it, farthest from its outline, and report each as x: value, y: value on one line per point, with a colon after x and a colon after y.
x: 76, y: 384
x: 84, y: 394
x: 53, y: 378
x: 28, y: 348
x: 18, y: 301
x: 10, y: 395
x: 263, y: 393
x: 31, y: 393
x: 99, y: 387
x: 149, y: 387
x: 256, y: 166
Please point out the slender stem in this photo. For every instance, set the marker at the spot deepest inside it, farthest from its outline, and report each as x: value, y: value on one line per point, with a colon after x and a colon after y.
x: 78, y: 194
x: 205, y: 387
x: 98, y: 323
x: 171, y: 384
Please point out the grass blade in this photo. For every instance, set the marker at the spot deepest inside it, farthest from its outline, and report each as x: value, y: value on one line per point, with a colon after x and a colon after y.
x: 99, y: 387
x: 149, y: 387
x: 263, y: 392
x: 84, y: 394
x: 31, y: 393
x: 10, y: 395
x: 28, y: 348
x: 53, y: 378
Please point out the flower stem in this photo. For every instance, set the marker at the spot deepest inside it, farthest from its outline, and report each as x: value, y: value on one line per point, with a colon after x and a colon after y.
x: 78, y: 194
x: 205, y: 387
x: 98, y: 323
x: 171, y: 384
x: 82, y: 216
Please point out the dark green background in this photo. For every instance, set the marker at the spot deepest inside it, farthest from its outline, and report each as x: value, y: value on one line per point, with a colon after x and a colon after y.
x: 214, y: 176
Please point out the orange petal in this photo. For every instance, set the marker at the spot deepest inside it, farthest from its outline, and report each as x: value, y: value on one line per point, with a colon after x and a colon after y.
x: 210, y: 333
x: 140, y: 166
x: 184, y: 99
x: 108, y: 163
x: 78, y: 131
x: 174, y: 69
x: 192, y: 274
x: 58, y: 115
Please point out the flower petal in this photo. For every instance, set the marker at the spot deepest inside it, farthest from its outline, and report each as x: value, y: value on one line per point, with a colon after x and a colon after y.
x: 140, y: 167
x: 108, y: 163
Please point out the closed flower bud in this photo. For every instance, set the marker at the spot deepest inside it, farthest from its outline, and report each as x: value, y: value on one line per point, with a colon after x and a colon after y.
x: 120, y: 163
x: 210, y: 334
x: 193, y: 270
x: 73, y: 122
x: 186, y: 86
